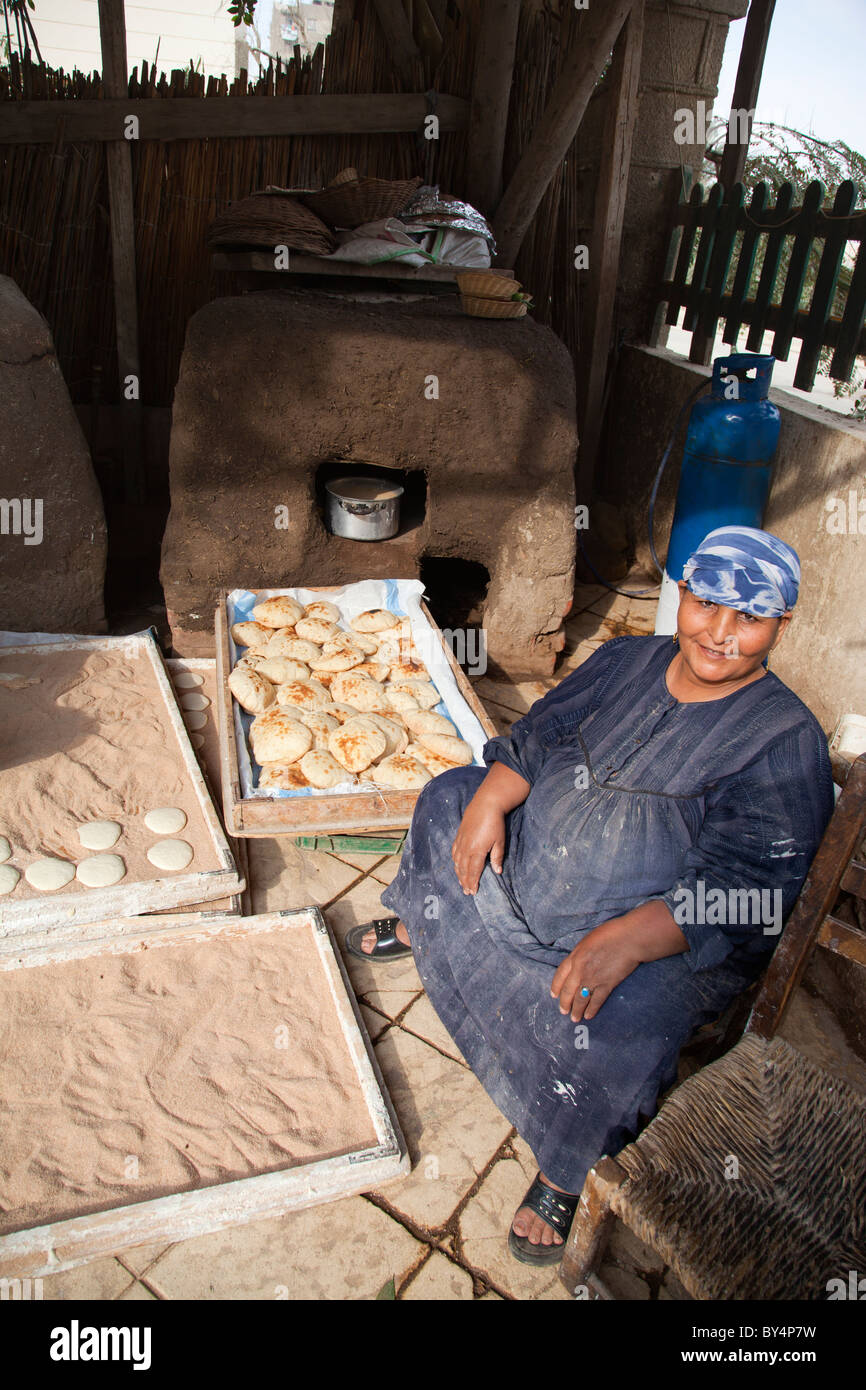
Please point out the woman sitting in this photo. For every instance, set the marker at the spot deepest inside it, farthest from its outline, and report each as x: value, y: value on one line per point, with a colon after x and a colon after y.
x: 648, y: 825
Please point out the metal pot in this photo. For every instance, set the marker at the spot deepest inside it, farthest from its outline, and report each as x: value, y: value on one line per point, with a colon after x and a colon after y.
x: 364, y: 509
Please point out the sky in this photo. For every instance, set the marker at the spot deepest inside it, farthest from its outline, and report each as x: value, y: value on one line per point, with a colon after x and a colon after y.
x: 813, y: 75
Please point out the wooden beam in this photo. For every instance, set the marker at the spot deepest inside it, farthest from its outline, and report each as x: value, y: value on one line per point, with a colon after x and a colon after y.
x: 191, y: 118
x: 606, y: 238
x: 398, y: 36
x: 491, y: 90
x: 118, y: 156
x: 597, y: 34
x: 746, y: 87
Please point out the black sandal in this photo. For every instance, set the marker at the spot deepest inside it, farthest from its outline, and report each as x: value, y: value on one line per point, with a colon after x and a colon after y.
x: 387, y: 947
x: 557, y: 1210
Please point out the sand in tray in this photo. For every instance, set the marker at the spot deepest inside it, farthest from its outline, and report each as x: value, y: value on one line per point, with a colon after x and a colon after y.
x: 126, y: 1077
x: 88, y: 738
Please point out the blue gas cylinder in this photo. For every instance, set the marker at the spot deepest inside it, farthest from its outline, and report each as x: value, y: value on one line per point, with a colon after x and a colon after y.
x: 727, y: 465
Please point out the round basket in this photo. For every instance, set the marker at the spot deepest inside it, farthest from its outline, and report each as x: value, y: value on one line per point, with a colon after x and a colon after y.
x: 352, y: 201
x: 270, y: 219
x: 483, y: 284
x: 492, y: 308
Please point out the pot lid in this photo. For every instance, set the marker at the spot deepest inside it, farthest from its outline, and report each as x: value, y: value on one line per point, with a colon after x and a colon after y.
x: 361, y: 489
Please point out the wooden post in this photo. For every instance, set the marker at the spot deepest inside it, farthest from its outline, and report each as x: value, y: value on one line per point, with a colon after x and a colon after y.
x: 604, y: 250
x: 597, y: 34
x: 491, y: 89
x: 746, y: 88
x: 115, y: 77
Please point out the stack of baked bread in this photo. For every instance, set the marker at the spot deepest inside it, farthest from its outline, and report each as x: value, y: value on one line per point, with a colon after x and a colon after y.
x: 334, y: 704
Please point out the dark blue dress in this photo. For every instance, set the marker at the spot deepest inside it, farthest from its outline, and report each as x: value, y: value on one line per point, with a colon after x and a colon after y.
x: 717, y: 808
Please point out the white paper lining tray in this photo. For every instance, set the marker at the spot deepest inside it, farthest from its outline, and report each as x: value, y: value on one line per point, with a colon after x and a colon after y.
x: 349, y: 1142
x: 25, y: 908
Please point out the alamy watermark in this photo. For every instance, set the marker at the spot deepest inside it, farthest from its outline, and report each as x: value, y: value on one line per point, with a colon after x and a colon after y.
x: 22, y: 516
x: 732, y: 907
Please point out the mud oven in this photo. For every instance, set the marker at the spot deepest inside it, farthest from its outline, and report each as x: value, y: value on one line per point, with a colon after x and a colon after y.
x: 280, y: 392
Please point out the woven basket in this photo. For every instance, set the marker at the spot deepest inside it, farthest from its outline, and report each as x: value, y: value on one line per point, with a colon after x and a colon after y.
x: 270, y: 219
x: 492, y: 308
x: 482, y: 284
x: 350, y: 201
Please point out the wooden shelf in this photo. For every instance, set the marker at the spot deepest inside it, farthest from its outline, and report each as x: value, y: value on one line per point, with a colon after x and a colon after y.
x: 262, y: 262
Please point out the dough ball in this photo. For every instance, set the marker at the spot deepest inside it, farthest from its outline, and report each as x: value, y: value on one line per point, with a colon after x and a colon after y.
x: 316, y: 629
x: 253, y: 691
x: 456, y: 750
x: 343, y: 660
x: 186, y: 680
x: 399, y: 699
x: 296, y: 648
x: 9, y: 876
x: 194, y: 718
x: 423, y: 693
x: 320, y: 725
x: 426, y: 721
x: 5, y: 849
x: 281, y: 611
x: 374, y: 620
x: 284, y: 777
x: 279, y: 738
x: 170, y: 854
x: 99, y: 834
x: 400, y: 772
x: 194, y: 701
x: 323, y: 609
x: 322, y: 770
x: 165, y: 820
x: 355, y: 744
x: 396, y: 737
x: 197, y: 740
x: 359, y: 691
x: 49, y: 874
x: 101, y: 870
x: 307, y: 694
x: 250, y: 634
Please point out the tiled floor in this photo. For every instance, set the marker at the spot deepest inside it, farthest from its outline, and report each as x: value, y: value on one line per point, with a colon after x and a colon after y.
x: 439, y: 1233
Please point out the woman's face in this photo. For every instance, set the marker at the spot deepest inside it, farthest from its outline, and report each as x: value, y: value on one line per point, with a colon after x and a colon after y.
x: 721, y: 644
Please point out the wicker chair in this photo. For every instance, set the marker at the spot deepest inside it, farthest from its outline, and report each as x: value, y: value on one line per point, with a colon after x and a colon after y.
x: 751, y: 1180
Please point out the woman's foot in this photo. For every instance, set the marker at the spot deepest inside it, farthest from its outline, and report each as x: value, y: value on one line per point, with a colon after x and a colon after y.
x: 368, y: 940
x: 529, y: 1224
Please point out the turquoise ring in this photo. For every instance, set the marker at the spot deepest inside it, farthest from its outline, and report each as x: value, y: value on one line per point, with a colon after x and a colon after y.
x: 585, y: 993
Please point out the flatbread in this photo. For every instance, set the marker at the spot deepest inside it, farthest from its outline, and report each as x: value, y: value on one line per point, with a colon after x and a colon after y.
x: 5, y: 849
x: 194, y: 718
x: 99, y: 834
x: 341, y: 712
x: 284, y: 777
x: 456, y: 750
x: 343, y: 660
x: 322, y: 770
x: 376, y: 670
x: 280, y: 740
x: 250, y: 634
x: 171, y: 855
x: 165, y: 820
x: 352, y: 641
x: 320, y: 725
x: 278, y: 669
x: 400, y: 772
x: 395, y: 735
x: 409, y: 670
x: 194, y: 700
x: 9, y: 876
x: 423, y: 693
x: 427, y: 721
x: 307, y: 694
x: 358, y: 691
x: 287, y: 644
x: 316, y: 629
x: 323, y: 609
x: 399, y: 699
x: 101, y: 870
x: 47, y: 875
x: 280, y: 611
x: 253, y: 691
x: 374, y: 620
x: 186, y: 680
x: 432, y: 761
x: 355, y: 744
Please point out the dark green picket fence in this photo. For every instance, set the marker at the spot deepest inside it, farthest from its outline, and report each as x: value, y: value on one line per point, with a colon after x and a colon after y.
x: 750, y: 264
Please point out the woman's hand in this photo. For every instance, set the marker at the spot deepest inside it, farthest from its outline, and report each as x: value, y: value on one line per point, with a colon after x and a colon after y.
x: 600, y: 962
x: 610, y: 952
x: 482, y: 829
x: 481, y: 832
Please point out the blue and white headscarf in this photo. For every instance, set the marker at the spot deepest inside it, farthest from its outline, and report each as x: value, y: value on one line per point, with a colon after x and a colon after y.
x: 746, y: 569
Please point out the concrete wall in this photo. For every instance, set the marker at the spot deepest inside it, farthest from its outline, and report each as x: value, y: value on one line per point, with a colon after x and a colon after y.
x: 188, y: 31
x: 820, y: 460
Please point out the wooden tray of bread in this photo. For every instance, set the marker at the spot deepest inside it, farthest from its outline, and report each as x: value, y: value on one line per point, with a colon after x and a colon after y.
x: 339, y: 734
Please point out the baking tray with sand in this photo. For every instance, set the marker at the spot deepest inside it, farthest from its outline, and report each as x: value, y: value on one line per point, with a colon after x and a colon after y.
x: 354, y: 810
x: 191, y: 1078
x: 90, y: 731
